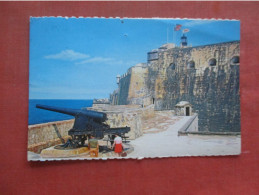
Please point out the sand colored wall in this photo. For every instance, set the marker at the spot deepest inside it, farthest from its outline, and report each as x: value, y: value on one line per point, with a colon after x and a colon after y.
x: 43, y: 135
x: 132, y: 87
x: 126, y: 115
x: 138, y: 88
x: 161, y: 70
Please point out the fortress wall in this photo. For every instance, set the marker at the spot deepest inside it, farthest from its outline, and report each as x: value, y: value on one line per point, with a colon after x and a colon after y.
x: 132, y: 87
x: 43, y: 135
x: 123, y: 119
x: 137, y: 87
x: 123, y: 91
x: 125, y: 115
x: 212, y: 90
x: 147, y: 112
x: 180, y: 57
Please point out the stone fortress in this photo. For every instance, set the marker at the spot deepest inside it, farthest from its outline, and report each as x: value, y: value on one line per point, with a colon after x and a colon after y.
x: 206, y: 77
x: 181, y: 90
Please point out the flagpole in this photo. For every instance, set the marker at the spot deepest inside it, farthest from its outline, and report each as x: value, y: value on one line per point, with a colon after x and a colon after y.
x: 167, y: 35
x: 173, y: 35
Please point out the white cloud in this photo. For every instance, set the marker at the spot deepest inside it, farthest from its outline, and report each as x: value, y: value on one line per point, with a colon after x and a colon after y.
x: 97, y: 60
x: 197, y: 22
x: 82, y: 58
x: 68, y: 55
x: 109, y: 61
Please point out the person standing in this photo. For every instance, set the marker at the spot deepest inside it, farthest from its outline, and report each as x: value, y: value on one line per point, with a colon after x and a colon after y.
x: 118, y: 145
x: 93, y: 147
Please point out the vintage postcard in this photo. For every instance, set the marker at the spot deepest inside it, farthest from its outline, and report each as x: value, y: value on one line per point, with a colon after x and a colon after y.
x: 105, y: 88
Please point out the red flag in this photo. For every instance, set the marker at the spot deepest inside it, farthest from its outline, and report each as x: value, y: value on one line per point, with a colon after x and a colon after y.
x: 177, y: 27
x: 186, y: 30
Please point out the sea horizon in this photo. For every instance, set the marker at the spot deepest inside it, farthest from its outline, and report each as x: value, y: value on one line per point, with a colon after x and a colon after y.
x: 38, y: 116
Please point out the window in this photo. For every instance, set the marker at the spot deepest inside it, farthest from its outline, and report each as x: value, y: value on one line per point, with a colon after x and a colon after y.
x: 152, y: 56
x: 191, y: 64
x: 172, y: 66
x: 235, y: 60
x: 212, y: 62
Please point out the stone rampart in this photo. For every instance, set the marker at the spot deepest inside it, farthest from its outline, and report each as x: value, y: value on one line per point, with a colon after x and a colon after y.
x: 43, y: 135
x: 126, y: 115
x: 206, y: 76
x: 212, y: 89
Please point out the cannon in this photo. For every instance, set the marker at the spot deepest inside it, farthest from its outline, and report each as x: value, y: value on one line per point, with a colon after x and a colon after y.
x: 87, y: 123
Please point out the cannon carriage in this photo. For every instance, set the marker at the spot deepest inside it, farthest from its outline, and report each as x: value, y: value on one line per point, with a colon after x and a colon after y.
x: 87, y: 123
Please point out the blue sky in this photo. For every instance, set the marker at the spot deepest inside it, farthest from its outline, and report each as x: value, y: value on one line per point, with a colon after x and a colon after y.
x: 79, y: 58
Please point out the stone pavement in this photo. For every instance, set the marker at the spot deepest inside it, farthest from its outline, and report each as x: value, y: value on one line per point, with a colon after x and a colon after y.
x: 165, y: 142
x: 160, y: 122
x: 160, y: 139
x: 104, y: 155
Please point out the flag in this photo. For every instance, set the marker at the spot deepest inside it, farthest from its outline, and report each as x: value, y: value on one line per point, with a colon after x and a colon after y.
x: 186, y: 30
x: 177, y: 27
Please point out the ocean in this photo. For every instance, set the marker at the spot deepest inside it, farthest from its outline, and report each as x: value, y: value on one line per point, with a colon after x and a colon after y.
x: 37, y: 115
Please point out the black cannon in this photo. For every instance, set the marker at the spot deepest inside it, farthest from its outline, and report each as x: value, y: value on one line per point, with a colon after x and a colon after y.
x: 87, y: 123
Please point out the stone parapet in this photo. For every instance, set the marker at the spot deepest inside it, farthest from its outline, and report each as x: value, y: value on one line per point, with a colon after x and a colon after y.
x: 43, y: 135
x: 37, y: 148
x: 126, y: 115
x: 190, y: 126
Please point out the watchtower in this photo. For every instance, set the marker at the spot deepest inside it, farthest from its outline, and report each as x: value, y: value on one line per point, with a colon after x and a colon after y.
x: 183, y: 41
x: 183, y: 108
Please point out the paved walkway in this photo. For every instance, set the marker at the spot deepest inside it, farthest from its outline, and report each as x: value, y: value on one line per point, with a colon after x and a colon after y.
x: 160, y: 122
x: 160, y: 139
x: 166, y: 143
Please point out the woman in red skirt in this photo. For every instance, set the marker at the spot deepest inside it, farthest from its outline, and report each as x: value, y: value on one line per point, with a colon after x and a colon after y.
x: 118, y: 145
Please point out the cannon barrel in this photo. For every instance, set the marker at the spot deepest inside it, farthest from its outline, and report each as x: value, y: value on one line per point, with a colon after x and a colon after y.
x: 87, y: 122
x: 74, y: 112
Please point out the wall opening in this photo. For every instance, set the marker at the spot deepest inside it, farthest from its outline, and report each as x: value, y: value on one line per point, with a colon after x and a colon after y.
x: 187, y: 111
x: 234, y: 60
x: 153, y: 55
x: 213, y: 62
x: 172, y: 66
x: 191, y: 64
x: 153, y: 100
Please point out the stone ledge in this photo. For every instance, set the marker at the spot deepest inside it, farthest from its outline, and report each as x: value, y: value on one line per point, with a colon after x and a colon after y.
x: 37, y: 148
x: 52, y: 152
x: 35, y: 126
x: 208, y: 133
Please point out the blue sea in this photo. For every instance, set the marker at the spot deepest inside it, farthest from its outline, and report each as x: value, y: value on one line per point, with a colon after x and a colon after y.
x: 37, y: 115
